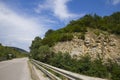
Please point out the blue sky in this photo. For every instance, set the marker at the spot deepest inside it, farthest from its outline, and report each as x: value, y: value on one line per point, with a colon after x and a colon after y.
x: 22, y: 20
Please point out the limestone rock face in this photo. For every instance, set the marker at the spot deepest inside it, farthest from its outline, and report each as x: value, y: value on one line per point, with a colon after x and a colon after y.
x: 104, y: 45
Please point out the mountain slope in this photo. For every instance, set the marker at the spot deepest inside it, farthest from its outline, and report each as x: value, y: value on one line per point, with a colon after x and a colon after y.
x: 91, y: 34
x: 89, y: 46
x: 10, y: 52
x: 19, y: 49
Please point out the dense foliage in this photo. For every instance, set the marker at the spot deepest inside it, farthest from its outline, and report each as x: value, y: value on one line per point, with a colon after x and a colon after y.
x: 41, y: 48
x: 9, y: 53
x: 96, y: 68
x: 84, y: 65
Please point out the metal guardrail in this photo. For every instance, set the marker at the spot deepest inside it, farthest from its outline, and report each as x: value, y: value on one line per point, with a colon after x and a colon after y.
x: 46, y: 72
x: 67, y: 74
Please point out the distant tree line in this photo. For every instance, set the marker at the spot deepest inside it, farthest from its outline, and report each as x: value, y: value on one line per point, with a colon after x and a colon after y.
x: 9, y: 53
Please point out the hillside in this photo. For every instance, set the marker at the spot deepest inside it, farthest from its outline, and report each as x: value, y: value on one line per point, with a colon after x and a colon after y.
x: 96, y: 42
x: 19, y: 49
x: 89, y: 45
x: 9, y: 53
x: 91, y: 34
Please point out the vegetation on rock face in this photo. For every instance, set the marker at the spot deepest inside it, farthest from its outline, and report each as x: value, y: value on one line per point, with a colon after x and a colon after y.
x: 9, y: 53
x: 107, y: 23
x: 41, y: 48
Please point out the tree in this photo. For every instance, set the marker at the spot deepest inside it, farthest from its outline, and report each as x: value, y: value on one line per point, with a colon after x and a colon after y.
x: 0, y: 44
x: 36, y: 43
x: 44, y: 53
x: 49, y: 32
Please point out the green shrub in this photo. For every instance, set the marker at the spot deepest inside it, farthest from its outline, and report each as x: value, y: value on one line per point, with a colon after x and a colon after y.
x: 66, y: 37
x: 44, y: 53
x: 97, y: 32
x: 82, y: 36
x: 84, y: 65
x: 50, y: 31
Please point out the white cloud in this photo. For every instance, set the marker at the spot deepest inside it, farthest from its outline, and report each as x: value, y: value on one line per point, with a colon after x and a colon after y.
x: 114, y: 2
x: 18, y: 30
x: 58, y: 8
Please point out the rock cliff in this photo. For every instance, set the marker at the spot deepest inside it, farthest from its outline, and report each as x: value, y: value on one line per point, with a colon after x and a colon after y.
x: 96, y: 42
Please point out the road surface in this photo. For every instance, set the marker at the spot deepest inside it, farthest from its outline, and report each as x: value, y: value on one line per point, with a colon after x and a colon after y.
x: 16, y: 69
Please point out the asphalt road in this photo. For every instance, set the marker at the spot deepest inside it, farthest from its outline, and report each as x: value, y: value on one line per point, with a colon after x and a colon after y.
x: 16, y: 69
